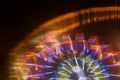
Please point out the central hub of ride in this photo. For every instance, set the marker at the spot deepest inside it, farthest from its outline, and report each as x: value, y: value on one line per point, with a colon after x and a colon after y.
x: 79, y: 72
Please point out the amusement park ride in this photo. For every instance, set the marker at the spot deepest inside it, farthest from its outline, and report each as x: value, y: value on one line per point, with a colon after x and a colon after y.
x: 50, y: 53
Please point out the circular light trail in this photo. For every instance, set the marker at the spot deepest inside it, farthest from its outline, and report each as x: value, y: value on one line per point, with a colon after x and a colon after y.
x: 51, y: 54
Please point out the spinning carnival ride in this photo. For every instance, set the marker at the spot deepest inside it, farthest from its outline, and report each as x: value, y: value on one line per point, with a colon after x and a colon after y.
x: 54, y: 55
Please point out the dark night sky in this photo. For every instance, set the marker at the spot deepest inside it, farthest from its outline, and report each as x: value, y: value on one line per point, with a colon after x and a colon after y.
x: 18, y: 19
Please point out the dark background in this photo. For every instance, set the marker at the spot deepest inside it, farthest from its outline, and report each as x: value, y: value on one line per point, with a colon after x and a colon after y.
x: 18, y: 19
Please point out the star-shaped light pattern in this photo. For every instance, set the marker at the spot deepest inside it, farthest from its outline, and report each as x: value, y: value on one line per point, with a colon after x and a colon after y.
x: 65, y: 58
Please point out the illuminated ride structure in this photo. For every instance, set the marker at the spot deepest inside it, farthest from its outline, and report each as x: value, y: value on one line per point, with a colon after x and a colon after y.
x: 52, y: 54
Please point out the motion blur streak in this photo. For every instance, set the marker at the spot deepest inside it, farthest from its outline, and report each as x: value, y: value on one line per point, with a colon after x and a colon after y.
x: 49, y: 53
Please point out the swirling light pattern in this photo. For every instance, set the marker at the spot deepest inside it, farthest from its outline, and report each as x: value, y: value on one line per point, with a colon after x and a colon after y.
x: 54, y: 55
x: 64, y: 58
